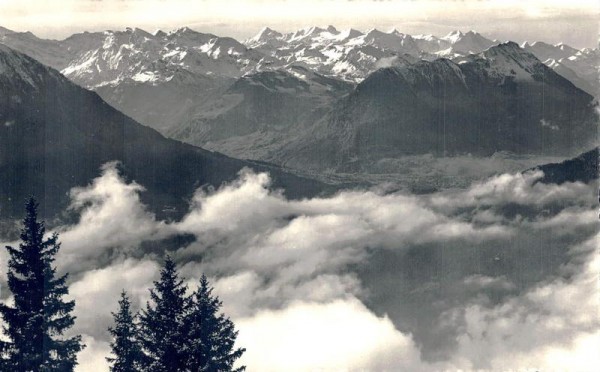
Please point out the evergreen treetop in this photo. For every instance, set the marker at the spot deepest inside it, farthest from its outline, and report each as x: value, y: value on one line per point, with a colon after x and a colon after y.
x: 161, y: 322
x: 35, y: 324
x: 211, y: 336
x: 125, y: 346
x: 181, y: 333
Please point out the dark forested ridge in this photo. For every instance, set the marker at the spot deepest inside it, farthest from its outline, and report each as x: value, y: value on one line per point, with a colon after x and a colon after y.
x: 55, y: 135
x: 583, y: 168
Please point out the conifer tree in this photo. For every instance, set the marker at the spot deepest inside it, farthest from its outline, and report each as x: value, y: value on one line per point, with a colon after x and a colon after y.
x: 211, y: 336
x: 35, y: 324
x: 125, y: 345
x: 161, y: 323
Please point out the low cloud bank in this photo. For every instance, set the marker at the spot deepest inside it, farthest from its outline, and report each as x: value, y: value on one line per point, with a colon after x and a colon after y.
x: 291, y: 273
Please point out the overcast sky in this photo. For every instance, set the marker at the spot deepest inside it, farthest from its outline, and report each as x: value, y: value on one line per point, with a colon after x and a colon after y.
x: 572, y: 22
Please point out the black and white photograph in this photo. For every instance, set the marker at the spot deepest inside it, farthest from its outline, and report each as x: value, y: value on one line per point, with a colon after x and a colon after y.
x: 291, y: 186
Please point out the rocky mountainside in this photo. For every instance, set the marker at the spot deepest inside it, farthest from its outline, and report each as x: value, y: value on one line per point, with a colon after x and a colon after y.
x: 503, y: 99
x: 94, y: 59
x: 111, y: 57
x: 261, y: 112
x: 159, y: 79
x: 352, y: 55
x: 154, y: 78
x: 460, y: 44
x: 359, y: 95
x: 55, y: 135
x: 578, y: 66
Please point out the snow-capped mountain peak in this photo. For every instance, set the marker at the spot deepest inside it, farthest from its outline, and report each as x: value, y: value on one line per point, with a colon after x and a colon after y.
x: 453, y: 36
x: 183, y: 30
x: 264, y: 35
x: 566, y: 48
x: 110, y: 57
x: 428, y: 37
x: 509, y: 48
x: 95, y: 59
x: 465, y: 43
x: 546, y: 51
x: 392, y: 41
x: 306, y: 33
x: 138, y: 31
x: 509, y: 59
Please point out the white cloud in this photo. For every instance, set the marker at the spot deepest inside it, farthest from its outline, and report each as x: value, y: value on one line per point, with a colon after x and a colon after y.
x: 567, y: 218
x: 281, y: 251
x: 111, y: 216
x: 338, y: 336
x: 519, y: 188
x: 276, y: 231
x: 103, y: 287
x: 485, y: 282
x: 285, y: 271
x: 92, y: 358
x: 552, y: 327
x: 96, y: 295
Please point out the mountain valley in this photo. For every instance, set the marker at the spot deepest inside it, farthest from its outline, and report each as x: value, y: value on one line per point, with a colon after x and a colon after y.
x: 345, y: 107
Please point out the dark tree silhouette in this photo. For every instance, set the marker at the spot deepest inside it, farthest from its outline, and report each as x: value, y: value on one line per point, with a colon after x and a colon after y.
x: 161, y: 323
x: 211, y: 336
x: 125, y: 345
x: 35, y: 324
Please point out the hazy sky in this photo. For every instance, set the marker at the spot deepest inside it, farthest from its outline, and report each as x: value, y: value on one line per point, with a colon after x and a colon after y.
x: 573, y: 22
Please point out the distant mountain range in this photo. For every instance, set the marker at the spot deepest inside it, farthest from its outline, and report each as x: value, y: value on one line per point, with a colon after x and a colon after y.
x: 578, y: 66
x: 325, y: 100
x: 55, y: 135
x: 95, y: 59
